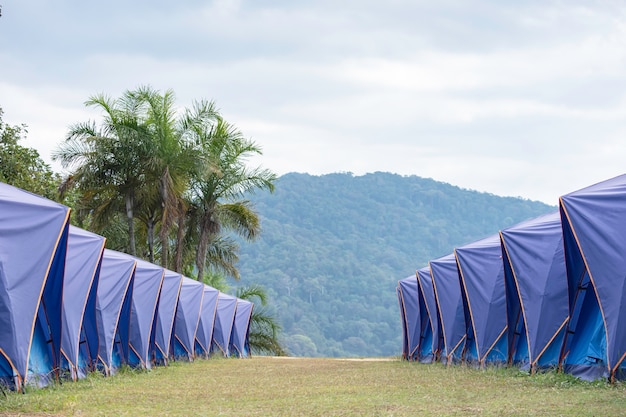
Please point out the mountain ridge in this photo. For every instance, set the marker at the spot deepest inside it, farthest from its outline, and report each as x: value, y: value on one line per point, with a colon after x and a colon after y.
x: 333, y: 247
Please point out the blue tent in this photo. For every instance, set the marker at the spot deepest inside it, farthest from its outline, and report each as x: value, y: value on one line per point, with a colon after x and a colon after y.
x: 33, y: 243
x: 536, y: 291
x: 408, y: 298
x: 447, y: 288
x: 239, y: 340
x: 187, y: 318
x: 204, y: 335
x: 594, y: 234
x: 147, y: 286
x: 224, y: 317
x: 113, y: 303
x: 429, y: 344
x: 481, y: 270
x: 405, y: 342
x: 166, y: 312
x: 79, y: 344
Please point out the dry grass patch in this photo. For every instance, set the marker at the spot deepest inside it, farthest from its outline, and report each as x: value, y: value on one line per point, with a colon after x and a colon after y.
x: 321, y: 387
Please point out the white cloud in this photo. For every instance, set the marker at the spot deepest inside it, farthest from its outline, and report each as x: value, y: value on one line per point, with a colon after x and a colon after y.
x: 534, y: 92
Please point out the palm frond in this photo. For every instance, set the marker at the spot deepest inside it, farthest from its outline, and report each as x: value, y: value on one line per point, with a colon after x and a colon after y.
x: 222, y: 255
x: 250, y: 292
x: 240, y: 218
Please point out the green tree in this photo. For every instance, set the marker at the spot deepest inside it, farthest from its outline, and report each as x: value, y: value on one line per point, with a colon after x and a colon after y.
x: 264, y: 328
x: 163, y: 169
x: 183, y: 176
x: 173, y: 160
x: 302, y: 345
x: 218, y: 195
x: 107, y: 162
x: 22, y: 167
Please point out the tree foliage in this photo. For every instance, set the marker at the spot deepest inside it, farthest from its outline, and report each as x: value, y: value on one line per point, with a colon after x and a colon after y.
x: 21, y: 166
x: 217, y: 194
x: 179, y: 175
x: 106, y: 164
x: 264, y: 328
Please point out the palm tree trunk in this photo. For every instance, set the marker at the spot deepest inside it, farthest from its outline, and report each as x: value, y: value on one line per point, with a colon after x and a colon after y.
x: 201, y: 252
x: 209, y: 229
x: 130, y: 201
x: 165, y: 223
x: 180, y: 238
x: 151, y: 240
x: 164, y: 245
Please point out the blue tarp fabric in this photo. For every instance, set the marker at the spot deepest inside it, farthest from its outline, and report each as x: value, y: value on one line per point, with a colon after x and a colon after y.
x: 147, y: 286
x: 204, y: 335
x: 405, y: 347
x: 168, y: 300
x: 79, y: 343
x: 536, y: 285
x: 408, y: 297
x: 429, y: 345
x: 224, y: 317
x: 33, y: 245
x: 115, y: 288
x: 69, y: 306
x: 594, y: 233
x: 548, y: 292
x: 187, y: 318
x: 447, y: 288
x: 481, y: 271
x: 239, y: 341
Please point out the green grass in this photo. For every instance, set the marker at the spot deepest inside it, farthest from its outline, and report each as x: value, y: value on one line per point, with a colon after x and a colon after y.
x: 320, y: 387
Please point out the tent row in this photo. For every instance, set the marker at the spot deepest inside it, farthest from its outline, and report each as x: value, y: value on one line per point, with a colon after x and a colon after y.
x: 546, y: 293
x: 69, y: 306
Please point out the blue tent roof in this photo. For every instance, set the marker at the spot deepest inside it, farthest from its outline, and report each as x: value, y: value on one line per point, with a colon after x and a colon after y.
x: 594, y: 233
x: 204, y: 335
x: 239, y: 341
x: 482, y: 277
x: 429, y: 346
x: 225, y: 315
x: 33, y: 241
x: 536, y: 286
x: 166, y: 312
x: 187, y: 318
x: 408, y: 297
x: 115, y: 289
x: 148, y: 280
x: 447, y: 288
x: 79, y: 343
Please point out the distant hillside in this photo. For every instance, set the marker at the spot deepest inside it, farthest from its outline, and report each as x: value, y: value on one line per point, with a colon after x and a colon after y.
x: 334, y: 246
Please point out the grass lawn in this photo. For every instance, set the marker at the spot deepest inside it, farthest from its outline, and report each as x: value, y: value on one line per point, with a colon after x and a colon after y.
x: 320, y: 387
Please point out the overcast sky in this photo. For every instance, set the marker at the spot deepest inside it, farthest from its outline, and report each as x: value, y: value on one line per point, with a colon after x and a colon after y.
x: 515, y: 98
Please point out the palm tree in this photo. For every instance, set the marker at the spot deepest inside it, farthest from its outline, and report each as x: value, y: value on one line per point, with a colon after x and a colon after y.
x: 145, y: 163
x: 216, y: 280
x: 175, y: 158
x: 218, y: 195
x: 106, y: 162
x: 172, y: 160
x: 264, y: 329
x: 142, y: 149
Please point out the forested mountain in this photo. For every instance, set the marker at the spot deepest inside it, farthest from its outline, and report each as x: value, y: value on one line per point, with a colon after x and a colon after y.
x: 333, y: 247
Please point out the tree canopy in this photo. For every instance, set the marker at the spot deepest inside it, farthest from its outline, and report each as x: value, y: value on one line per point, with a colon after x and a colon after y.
x: 149, y: 169
x: 21, y: 166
